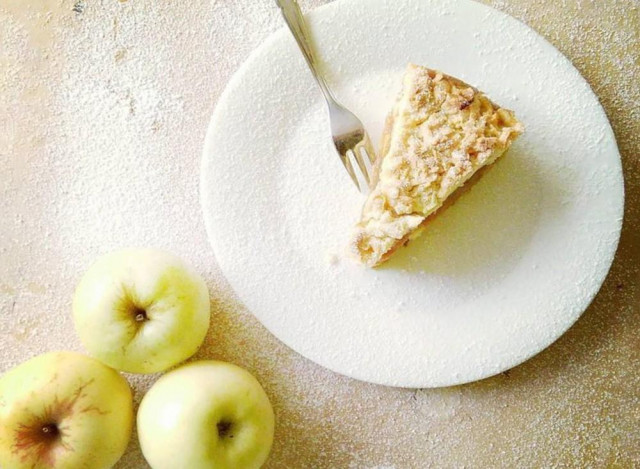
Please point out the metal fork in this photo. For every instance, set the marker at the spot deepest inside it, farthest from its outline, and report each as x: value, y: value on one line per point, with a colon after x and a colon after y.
x: 349, y: 136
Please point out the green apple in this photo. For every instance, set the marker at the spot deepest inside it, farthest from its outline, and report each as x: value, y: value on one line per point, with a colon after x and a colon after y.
x: 141, y: 310
x: 206, y: 415
x: 63, y: 410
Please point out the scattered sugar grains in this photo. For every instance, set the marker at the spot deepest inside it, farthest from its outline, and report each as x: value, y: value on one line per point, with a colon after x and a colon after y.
x: 573, y: 405
x: 332, y: 258
x: 569, y: 406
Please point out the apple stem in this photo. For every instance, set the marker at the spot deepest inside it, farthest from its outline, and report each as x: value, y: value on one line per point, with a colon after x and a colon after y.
x: 50, y: 429
x: 140, y: 315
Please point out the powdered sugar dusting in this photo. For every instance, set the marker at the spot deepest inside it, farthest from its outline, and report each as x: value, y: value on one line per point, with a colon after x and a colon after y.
x: 574, y: 405
x: 507, y: 271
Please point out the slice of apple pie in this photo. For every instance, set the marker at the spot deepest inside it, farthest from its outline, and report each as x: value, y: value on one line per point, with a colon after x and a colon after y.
x: 439, y: 136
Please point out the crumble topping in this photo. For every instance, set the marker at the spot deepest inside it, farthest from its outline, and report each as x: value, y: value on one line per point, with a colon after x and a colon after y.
x: 440, y: 132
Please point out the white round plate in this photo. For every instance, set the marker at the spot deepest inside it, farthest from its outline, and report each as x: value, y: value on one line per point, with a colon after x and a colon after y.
x: 494, y: 280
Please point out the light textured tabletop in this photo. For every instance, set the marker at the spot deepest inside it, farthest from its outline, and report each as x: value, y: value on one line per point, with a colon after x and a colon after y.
x: 132, y: 84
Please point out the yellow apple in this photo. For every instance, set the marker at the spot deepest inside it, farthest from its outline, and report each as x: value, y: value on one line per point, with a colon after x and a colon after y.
x: 63, y: 410
x: 206, y: 415
x: 141, y: 310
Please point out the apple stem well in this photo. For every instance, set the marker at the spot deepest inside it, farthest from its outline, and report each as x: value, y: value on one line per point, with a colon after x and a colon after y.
x: 50, y: 429
x: 224, y: 429
x: 140, y: 314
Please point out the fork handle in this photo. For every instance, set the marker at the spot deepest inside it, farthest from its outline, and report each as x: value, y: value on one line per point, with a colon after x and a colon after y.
x: 298, y: 26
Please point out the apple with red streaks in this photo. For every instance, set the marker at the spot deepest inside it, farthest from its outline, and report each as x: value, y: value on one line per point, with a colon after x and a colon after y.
x: 63, y: 410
